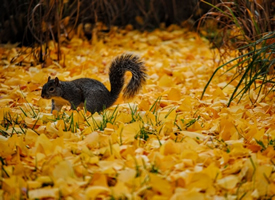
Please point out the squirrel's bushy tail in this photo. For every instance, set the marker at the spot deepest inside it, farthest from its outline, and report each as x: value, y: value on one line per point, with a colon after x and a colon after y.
x: 121, y: 64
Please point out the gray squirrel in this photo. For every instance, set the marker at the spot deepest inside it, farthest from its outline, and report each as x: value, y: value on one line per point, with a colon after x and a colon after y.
x: 92, y: 92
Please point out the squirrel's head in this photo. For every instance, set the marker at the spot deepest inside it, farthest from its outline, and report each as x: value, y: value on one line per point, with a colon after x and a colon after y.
x: 51, y: 88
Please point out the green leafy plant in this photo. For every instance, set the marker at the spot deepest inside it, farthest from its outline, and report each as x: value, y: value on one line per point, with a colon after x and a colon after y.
x: 253, y: 70
x: 107, y: 117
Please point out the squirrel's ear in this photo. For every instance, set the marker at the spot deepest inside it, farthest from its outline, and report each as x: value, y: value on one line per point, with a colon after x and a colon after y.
x: 49, y: 78
x: 56, y: 81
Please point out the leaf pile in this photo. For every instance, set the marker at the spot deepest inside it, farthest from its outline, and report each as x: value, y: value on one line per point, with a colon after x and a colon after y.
x: 164, y: 144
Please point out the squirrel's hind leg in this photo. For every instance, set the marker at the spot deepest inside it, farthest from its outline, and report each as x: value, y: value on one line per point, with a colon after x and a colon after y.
x: 97, y: 103
x: 75, y: 103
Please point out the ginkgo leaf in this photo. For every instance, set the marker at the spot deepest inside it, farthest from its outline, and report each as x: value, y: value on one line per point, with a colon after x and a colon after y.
x: 44, y: 145
x: 63, y: 170
x: 128, y: 132
x: 165, y: 81
x: 44, y: 193
x: 93, y: 191
x: 160, y: 185
x: 120, y: 190
x: 188, y: 194
x: 99, y: 179
x: 228, y: 182
x: 174, y: 94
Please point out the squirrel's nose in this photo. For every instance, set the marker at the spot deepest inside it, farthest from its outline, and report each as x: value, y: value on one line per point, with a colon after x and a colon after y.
x: 42, y: 95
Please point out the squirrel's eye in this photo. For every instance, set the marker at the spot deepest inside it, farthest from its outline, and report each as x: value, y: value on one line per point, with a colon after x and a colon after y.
x: 51, y: 89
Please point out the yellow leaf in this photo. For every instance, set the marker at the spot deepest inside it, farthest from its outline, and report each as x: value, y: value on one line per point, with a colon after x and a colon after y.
x: 44, y: 179
x: 13, y: 184
x: 99, y: 179
x: 218, y: 93
x: 34, y: 184
x: 92, y: 140
x: 52, y: 130
x: 149, y: 118
x: 159, y: 197
x: 124, y: 117
x: 165, y: 81
x: 228, y: 182
x: 259, y: 135
x: 158, y: 184
x: 127, y: 175
x: 169, y: 147
x: 119, y: 190
x: 3, y: 112
x: 22, y: 147
x: 262, y: 183
x: 87, y: 131
x: 44, y: 193
x: 43, y: 145
x: 192, y: 194
x: 227, y: 128
x: 194, y: 135
x: 63, y: 170
x: 129, y: 131
x: 5, y: 149
x: 213, y: 172
x: 93, y: 191
x: 186, y: 104
x: 174, y: 94
x: 144, y: 105
x: 168, y: 115
x: 31, y: 137
x: 40, y: 157
x: 238, y: 150
x: 95, y: 119
x: 107, y: 167
x: 252, y: 131
x: 167, y: 128
x: 189, y: 154
x: 153, y: 40
x: 198, y: 180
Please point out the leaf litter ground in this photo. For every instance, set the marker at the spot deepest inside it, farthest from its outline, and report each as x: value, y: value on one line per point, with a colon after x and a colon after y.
x: 164, y: 144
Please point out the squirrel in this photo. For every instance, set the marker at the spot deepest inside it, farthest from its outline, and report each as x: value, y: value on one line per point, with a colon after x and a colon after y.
x: 93, y: 93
